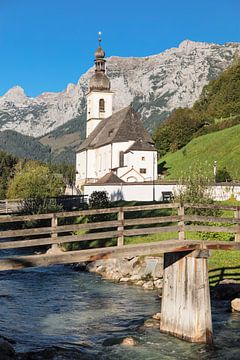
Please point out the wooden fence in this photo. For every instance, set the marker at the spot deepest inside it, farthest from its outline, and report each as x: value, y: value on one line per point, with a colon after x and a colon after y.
x: 119, y: 223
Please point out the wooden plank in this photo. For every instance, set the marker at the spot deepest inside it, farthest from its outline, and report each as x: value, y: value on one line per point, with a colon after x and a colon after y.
x: 205, y: 228
x: 59, y: 229
x: 152, y: 248
x: 152, y: 207
x: 181, y: 232
x: 210, y: 206
x: 22, y: 218
x: 57, y: 240
x: 151, y: 220
x: 120, y: 240
x: 150, y: 230
x: 20, y: 262
x: 199, y: 218
x: 237, y: 217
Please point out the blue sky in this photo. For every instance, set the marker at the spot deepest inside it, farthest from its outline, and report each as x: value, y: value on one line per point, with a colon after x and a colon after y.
x: 46, y: 44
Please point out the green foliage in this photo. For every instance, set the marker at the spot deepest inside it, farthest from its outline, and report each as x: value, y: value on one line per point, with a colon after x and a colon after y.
x: 222, y: 175
x: 177, y: 131
x: 34, y: 181
x: 195, y: 190
x: 99, y: 200
x: 67, y: 171
x: 217, y: 108
x: 7, y: 168
x: 39, y: 206
x: 223, y: 146
x: 217, y: 236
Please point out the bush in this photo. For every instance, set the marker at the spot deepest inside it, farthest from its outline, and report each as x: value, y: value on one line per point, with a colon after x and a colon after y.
x: 222, y: 175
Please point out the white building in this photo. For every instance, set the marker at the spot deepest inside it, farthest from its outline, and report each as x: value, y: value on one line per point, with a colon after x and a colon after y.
x: 117, y: 146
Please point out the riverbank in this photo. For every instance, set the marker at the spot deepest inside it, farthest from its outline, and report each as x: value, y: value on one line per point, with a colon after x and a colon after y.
x: 143, y: 271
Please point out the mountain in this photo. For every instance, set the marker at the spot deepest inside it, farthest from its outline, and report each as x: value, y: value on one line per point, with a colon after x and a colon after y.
x: 23, y: 146
x: 155, y: 85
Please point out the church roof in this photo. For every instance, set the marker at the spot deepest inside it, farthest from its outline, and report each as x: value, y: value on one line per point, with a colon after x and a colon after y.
x: 141, y: 145
x: 122, y: 126
x: 110, y: 178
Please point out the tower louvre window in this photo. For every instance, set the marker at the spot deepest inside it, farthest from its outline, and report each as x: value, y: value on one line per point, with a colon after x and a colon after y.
x: 121, y: 159
x: 101, y: 105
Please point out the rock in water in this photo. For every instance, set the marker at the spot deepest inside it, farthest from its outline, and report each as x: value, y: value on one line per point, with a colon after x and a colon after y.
x: 129, y: 341
x: 235, y: 304
x: 7, y: 352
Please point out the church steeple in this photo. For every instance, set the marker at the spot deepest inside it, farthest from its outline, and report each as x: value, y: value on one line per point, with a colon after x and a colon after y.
x: 99, y: 81
x: 99, y: 98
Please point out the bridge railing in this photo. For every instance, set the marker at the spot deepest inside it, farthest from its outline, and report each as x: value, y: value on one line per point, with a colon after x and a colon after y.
x: 115, y: 223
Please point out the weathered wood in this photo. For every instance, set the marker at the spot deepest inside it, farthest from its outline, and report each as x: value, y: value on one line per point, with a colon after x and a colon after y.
x: 54, y: 224
x: 237, y: 217
x: 58, y: 229
x: 198, y: 218
x: 210, y: 206
x: 210, y: 228
x: 58, y: 240
x: 185, y: 308
x: 20, y: 262
x: 181, y: 232
x: 120, y: 240
x: 151, y: 220
x: 150, y: 230
x: 22, y: 218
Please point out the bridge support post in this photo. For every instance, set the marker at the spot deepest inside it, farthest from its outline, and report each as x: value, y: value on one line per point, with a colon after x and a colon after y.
x: 186, y: 308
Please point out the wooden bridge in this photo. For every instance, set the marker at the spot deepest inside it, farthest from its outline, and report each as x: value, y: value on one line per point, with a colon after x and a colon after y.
x: 185, y: 307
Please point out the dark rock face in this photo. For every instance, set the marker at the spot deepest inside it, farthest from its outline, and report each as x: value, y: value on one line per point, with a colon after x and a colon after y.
x: 7, y: 351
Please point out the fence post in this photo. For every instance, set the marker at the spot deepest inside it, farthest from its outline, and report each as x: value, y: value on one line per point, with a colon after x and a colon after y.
x: 181, y: 232
x: 237, y: 216
x: 120, y: 240
x: 54, y: 224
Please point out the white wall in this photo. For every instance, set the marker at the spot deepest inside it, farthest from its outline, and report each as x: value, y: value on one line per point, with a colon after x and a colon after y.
x: 93, y: 112
x: 140, y: 160
x: 145, y: 191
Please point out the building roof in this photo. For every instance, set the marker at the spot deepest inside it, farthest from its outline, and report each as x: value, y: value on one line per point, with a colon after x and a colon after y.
x: 122, y: 126
x: 141, y: 145
x: 110, y: 178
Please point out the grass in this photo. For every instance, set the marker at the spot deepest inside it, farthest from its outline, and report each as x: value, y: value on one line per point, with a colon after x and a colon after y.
x: 222, y: 146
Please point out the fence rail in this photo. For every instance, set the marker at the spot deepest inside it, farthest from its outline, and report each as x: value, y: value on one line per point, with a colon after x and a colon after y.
x: 119, y: 223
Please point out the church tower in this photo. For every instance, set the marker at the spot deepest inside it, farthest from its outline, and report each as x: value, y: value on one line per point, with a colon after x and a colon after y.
x: 99, y: 97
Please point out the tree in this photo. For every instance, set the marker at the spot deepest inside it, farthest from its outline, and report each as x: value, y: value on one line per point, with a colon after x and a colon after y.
x: 33, y: 181
x: 222, y: 175
x: 7, y: 169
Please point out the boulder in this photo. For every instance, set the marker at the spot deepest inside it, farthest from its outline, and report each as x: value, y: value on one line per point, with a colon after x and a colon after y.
x: 129, y: 341
x: 235, y: 304
x: 157, y: 316
x: 7, y: 352
x: 152, y: 323
x: 148, y: 285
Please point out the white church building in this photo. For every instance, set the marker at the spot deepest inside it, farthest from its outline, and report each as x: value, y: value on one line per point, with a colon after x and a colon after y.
x: 117, y: 148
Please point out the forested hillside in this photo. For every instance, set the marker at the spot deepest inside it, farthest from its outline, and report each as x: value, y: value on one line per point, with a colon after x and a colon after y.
x: 217, y: 108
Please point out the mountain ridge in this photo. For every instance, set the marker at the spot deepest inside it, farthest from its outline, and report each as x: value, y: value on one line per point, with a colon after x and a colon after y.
x: 154, y: 84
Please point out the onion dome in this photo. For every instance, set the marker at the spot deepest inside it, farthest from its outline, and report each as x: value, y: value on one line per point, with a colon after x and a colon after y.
x: 99, y: 81
x: 99, y: 53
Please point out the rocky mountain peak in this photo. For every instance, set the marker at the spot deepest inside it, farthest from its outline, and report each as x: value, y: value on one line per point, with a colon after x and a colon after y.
x: 16, y: 95
x: 155, y: 85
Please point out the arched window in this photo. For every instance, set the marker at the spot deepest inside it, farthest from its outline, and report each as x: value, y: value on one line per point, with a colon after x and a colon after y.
x: 101, y: 105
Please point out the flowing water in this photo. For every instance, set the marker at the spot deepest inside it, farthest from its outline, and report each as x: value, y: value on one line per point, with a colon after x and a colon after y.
x: 57, y: 306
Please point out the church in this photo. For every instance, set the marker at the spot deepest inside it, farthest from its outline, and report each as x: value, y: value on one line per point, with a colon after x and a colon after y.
x: 117, y: 148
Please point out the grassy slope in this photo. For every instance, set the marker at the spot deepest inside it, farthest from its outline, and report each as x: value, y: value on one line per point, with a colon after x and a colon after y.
x: 223, y: 146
